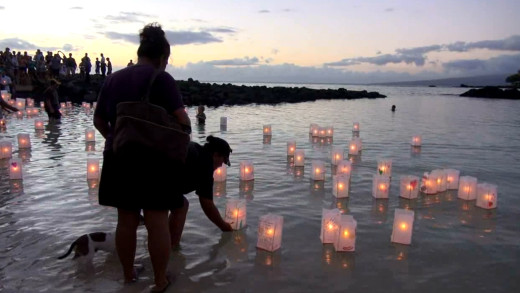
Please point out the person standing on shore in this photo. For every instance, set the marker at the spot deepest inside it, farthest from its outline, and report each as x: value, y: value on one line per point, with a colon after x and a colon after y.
x: 109, y: 66
x: 71, y: 65
x: 103, y: 65
x: 146, y: 182
x: 87, y: 67
x: 130, y: 63
x: 98, y: 66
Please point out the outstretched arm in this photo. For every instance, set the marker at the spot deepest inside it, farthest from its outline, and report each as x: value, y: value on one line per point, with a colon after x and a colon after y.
x: 213, y: 214
x: 5, y: 105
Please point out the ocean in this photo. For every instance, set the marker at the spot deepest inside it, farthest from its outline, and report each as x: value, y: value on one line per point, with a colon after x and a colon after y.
x: 455, y: 246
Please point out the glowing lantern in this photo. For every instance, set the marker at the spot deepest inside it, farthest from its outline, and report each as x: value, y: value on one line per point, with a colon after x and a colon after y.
x: 90, y: 135
x: 6, y: 150
x: 247, y: 171
x: 236, y: 213
x: 322, y: 132
x: 341, y: 185
x: 267, y: 129
x: 428, y: 184
x: 355, y: 127
x: 270, y: 228
x: 337, y: 156
x: 220, y: 175
x: 318, y: 170
x: 24, y: 141
x: 313, y: 129
x: 15, y: 170
x: 19, y: 114
x: 403, y: 226
x: 3, y: 123
x: 384, y: 167
x: 467, y: 188
x: 299, y: 158
x: 92, y: 169
x: 42, y: 105
x: 409, y: 186
x: 452, y: 178
x: 344, y: 167
x: 416, y: 141
x: 345, y: 239
x: 329, y: 225
x: 62, y: 105
x: 38, y: 124
x: 5, y: 96
x: 329, y: 131
x: 20, y: 103
x: 291, y: 147
x: 439, y: 179
x: 353, y: 147
x: 487, y: 196
x: 380, y: 186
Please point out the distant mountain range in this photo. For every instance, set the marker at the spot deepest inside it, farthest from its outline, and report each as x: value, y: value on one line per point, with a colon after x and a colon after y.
x: 478, y: 81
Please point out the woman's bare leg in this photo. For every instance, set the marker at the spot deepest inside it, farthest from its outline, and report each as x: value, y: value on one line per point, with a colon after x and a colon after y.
x: 176, y: 223
x: 156, y: 222
x: 126, y: 241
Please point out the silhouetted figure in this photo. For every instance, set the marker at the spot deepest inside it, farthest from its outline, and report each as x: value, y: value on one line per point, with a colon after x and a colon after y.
x: 393, y: 108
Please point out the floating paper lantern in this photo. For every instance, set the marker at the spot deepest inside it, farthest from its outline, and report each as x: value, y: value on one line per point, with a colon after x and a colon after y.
x: 92, y: 168
x: 355, y: 127
x: 20, y: 103
x: 452, y: 178
x: 344, y: 167
x: 270, y: 228
x: 318, y: 170
x: 30, y: 102
x: 267, y: 129
x: 486, y: 196
x: 439, y: 177
x: 299, y: 158
x: 220, y: 175
x: 42, y: 105
x: 19, y: 114
x: 322, y: 132
x: 416, y: 141
x: 6, y: 150
x: 62, y: 105
x: 337, y: 156
x: 403, y: 225
x: 467, y: 188
x: 428, y: 185
x: 236, y: 213
x: 353, y: 147
x: 24, y: 141
x: 345, y: 239
x: 15, y: 170
x: 315, y: 130
x: 384, y: 167
x: 247, y: 171
x: 409, y: 186
x: 329, y: 131
x: 4, y: 93
x: 329, y: 225
x: 38, y: 124
x: 3, y: 123
x: 380, y: 186
x: 90, y: 135
x: 341, y: 185
x: 312, y: 128
x: 291, y: 147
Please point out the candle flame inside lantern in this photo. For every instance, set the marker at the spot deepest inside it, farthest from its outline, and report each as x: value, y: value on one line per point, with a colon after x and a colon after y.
x: 340, y: 186
x: 330, y: 226
x: 449, y: 179
x: 410, y: 187
x: 439, y: 180
x: 270, y: 231
x: 346, y: 233
x: 218, y: 171
x: 467, y: 189
x: 93, y: 168
x: 489, y: 197
x: 246, y: 170
x: 403, y: 226
x: 352, y: 147
x: 235, y: 213
x: 299, y: 158
x: 266, y: 130
x: 291, y: 149
x: 317, y: 170
x: 382, y: 186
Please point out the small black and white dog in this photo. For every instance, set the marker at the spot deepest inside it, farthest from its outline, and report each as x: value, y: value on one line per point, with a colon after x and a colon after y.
x: 86, y: 245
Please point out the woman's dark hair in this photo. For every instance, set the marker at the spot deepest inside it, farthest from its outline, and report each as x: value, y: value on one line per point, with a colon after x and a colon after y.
x: 218, y: 145
x: 153, y: 42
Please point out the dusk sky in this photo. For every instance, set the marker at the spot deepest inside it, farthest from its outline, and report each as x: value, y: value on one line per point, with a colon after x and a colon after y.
x: 282, y: 41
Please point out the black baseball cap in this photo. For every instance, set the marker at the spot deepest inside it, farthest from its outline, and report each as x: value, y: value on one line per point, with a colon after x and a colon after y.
x: 220, y: 146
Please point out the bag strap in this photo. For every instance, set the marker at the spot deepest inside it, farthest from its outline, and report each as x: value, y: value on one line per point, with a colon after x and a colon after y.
x: 146, y: 97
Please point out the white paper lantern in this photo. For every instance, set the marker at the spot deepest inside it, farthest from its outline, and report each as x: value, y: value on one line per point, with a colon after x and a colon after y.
x: 487, y: 196
x: 270, y: 228
x: 341, y: 185
x: 20, y: 103
x: 355, y: 127
x: 92, y: 169
x: 247, y: 171
x: 312, y: 128
x: 345, y: 239
x: 220, y: 175
x: 315, y: 128
x: 42, y: 105
x: 384, y: 167
x: 267, y: 129
x: 318, y: 170
x: 403, y: 226
x: 20, y: 114
x: 90, y: 135
x: 380, y: 186
x: 329, y: 225
x: 329, y: 131
x: 409, y: 186
x: 439, y: 177
x: 322, y: 132
x: 15, y: 169
x: 428, y: 185
x: 452, y: 178
x: 236, y: 213
x: 30, y: 102
x: 344, y: 167
x: 24, y: 141
x: 299, y: 158
x: 416, y: 141
x: 4, y: 93
x: 467, y: 188
x: 3, y: 123
x: 336, y: 156
x: 353, y: 147
x: 38, y: 124
x: 6, y: 150
x: 291, y: 147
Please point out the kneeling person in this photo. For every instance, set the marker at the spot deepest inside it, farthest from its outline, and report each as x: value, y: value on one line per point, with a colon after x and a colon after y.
x: 201, y: 162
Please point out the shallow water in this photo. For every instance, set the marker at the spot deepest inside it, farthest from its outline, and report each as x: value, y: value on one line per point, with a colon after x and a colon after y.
x: 455, y: 245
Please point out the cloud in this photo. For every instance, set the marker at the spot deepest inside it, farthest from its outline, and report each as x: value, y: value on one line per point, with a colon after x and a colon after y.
x: 174, y: 37
x: 264, y: 11
x: 389, y: 10
x: 19, y: 44
x: 223, y: 30
x: 246, y: 61
x: 275, y: 51
x: 76, y: 8
x: 419, y: 50
x: 495, y: 65
x: 418, y: 60
x: 127, y: 17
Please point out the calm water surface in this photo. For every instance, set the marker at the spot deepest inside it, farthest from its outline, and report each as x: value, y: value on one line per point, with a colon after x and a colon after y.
x: 456, y: 247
